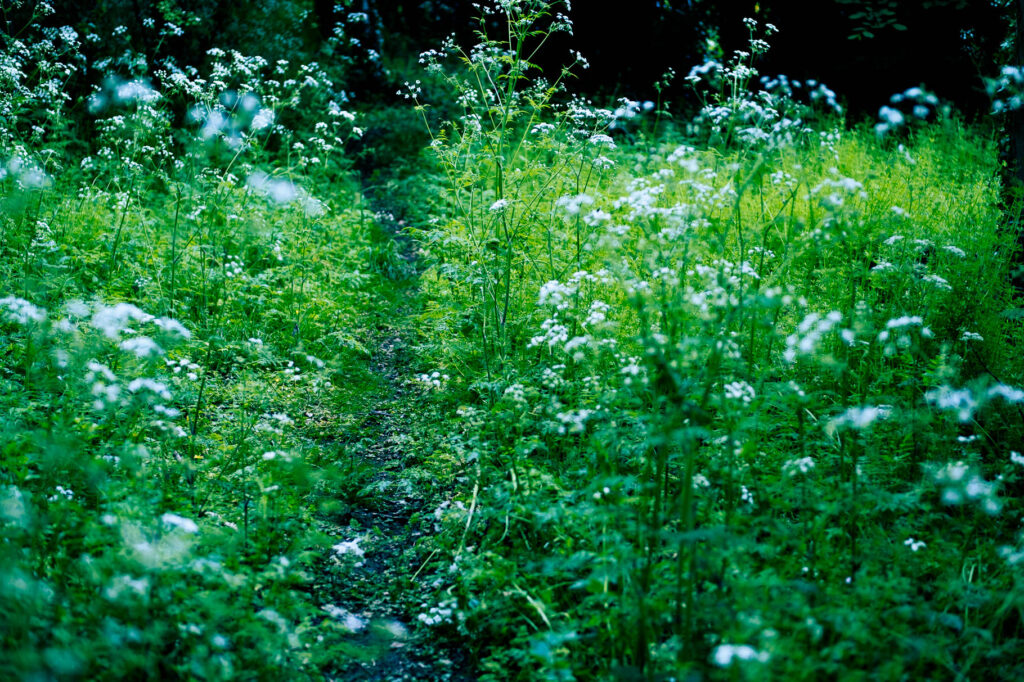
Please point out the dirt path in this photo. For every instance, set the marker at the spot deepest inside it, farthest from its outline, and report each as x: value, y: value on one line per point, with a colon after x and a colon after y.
x: 367, y: 582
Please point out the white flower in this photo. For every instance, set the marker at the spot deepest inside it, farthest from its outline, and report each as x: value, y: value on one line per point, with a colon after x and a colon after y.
x: 1007, y: 393
x: 555, y: 293
x: 264, y: 118
x: 809, y: 333
x: 598, y: 313
x: 860, y: 417
x: 574, y: 421
x: 573, y: 203
x: 937, y: 281
x: 554, y: 334
x: 173, y: 327
x: 277, y: 190
x: 180, y: 523
x: 21, y: 311
x: 890, y: 116
x: 798, y: 466
x: 352, y: 622
x: 914, y: 545
x: 114, y: 319
x: 142, y: 347
x: 739, y: 390
x: 349, y: 547
x: 947, y: 398
x: 725, y: 654
x: 150, y: 385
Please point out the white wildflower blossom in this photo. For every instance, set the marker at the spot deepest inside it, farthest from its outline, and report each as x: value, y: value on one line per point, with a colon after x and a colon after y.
x: 434, y: 380
x: 1008, y: 393
x: 574, y: 421
x: 441, y: 613
x: 554, y: 333
x: 961, y: 401
x: 112, y: 320
x: 809, y: 333
x: 556, y: 294
x: 180, y: 523
x: 20, y: 311
x: 349, y: 547
x: 793, y: 467
x: 740, y: 391
x: 572, y: 204
x: 278, y: 190
x: 349, y: 620
x: 171, y: 326
x: 897, y: 333
x: 725, y: 654
x: 141, y: 346
x: 516, y: 394
x: 860, y: 417
x: 937, y: 281
x: 598, y: 313
x: 152, y: 386
x: 961, y: 482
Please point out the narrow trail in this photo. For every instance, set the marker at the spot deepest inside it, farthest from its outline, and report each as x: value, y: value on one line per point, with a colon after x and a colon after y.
x: 366, y: 581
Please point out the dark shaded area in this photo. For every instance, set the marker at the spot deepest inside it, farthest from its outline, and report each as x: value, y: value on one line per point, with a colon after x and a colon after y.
x: 945, y: 46
x: 862, y: 53
x: 854, y: 46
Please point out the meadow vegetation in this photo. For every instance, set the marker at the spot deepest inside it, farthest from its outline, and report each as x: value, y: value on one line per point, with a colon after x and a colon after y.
x: 736, y: 395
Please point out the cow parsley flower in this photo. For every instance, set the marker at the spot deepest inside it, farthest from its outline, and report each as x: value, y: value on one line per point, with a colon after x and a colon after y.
x: 725, y: 654
x: 142, y: 347
x: 914, y: 545
x: 798, y: 466
x: 20, y: 311
x: 112, y: 320
x: 180, y: 523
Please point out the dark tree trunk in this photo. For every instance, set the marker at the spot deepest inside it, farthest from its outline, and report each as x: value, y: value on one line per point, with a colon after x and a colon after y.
x: 325, y: 19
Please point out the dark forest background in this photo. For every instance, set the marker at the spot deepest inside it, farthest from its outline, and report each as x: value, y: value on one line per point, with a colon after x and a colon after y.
x: 865, y: 50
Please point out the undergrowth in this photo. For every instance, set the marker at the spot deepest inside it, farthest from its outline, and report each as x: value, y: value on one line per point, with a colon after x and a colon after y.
x: 730, y: 396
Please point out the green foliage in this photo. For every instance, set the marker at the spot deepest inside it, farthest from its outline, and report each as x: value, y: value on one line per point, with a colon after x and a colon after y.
x: 184, y: 331
x: 738, y: 398
x: 745, y: 413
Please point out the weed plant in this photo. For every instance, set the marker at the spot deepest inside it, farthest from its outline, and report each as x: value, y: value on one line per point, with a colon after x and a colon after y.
x: 738, y: 404
x: 186, y: 295
x: 732, y: 397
